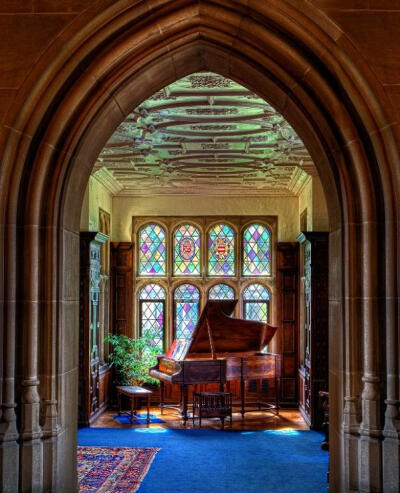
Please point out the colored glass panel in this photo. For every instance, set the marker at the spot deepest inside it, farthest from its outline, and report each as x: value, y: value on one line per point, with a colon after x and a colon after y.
x: 151, y: 310
x: 256, y: 310
x: 152, y: 322
x: 256, y: 302
x: 187, y: 251
x: 152, y: 292
x: 221, y: 292
x: 256, y: 292
x: 186, y: 298
x: 152, y: 250
x: 221, y: 251
x: 256, y: 251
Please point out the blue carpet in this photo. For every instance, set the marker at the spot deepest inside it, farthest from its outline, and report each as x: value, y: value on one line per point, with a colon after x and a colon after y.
x: 140, y: 419
x: 213, y: 461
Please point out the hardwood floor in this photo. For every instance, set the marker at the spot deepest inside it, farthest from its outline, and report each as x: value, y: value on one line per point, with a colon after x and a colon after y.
x: 287, y: 419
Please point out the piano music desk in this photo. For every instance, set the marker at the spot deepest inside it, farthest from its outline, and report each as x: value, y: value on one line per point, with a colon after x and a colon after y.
x: 134, y: 392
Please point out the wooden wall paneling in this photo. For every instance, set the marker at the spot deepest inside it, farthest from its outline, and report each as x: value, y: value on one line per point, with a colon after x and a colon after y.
x: 104, y: 387
x: 121, y: 288
x: 288, y: 319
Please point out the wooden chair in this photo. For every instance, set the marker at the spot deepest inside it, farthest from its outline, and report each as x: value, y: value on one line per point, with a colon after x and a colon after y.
x: 212, y: 405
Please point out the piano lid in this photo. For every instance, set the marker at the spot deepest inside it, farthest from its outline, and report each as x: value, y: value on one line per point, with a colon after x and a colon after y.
x: 229, y: 335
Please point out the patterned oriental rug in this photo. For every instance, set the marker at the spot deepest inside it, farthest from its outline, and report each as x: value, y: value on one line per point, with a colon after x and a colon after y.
x: 113, y: 469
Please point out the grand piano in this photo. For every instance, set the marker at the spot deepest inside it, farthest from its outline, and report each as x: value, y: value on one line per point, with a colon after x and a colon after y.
x: 222, y: 349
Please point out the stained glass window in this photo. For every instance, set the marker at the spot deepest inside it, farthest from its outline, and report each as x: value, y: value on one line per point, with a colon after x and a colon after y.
x: 151, y: 314
x: 256, y: 302
x: 221, y: 251
x: 221, y: 292
x: 186, y: 301
x: 187, y: 251
x: 256, y: 251
x: 152, y: 250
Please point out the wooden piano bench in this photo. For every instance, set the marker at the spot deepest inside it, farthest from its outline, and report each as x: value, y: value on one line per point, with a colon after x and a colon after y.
x: 134, y: 392
x: 212, y: 405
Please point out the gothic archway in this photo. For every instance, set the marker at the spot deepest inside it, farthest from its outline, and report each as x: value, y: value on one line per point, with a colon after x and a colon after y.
x: 108, y: 61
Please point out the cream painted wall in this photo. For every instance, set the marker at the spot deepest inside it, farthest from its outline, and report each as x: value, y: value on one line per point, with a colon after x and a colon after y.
x: 286, y: 208
x: 85, y: 211
x: 96, y: 197
x: 306, y: 202
x: 320, y: 209
x: 313, y: 198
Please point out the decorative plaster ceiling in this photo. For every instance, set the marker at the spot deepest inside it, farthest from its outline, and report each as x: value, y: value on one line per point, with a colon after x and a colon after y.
x: 204, y: 134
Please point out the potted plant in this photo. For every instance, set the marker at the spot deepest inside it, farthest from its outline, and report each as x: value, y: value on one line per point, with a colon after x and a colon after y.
x: 132, y: 359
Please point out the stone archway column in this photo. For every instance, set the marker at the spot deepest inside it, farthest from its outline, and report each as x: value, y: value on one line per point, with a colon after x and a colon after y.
x: 391, y: 432
x: 9, y: 448
x: 352, y: 384
x: 31, y: 448
x: 370, y: 447
x: 48, y: 369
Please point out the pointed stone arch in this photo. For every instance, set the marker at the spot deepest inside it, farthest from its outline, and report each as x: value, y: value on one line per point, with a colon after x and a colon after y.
x: 105, y: 63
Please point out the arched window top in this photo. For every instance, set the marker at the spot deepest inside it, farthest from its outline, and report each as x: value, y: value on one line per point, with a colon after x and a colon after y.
x: 256, y: 292
x: 187, y: 292
x: 256, y: 250
x: 221, y: 250
x: 221, y: 292
x: 152, y: 250
x: 186, y: 250
x: 152, y: 292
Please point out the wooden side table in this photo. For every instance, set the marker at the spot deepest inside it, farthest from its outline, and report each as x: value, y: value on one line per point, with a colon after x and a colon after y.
x: 212, y: 405
x: 134, y: 392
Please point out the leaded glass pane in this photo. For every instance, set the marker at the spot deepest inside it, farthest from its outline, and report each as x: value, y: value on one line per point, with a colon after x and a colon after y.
x: 256, y: 292
x: 256, y: 310
x: 152, y: 322
x: 187, y: 298
x: 152, y: 250
x: 187, y: 251
x: 256, y: 251
x: 152, y: 292
x: 221, y: 251
x: 256, y: 302
x: 221, y: 292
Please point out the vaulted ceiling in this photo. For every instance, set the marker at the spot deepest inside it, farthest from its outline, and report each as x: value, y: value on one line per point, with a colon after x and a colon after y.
x: 204, y: 134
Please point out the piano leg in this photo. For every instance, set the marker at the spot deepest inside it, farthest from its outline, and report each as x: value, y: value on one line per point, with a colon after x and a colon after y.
x: 185, y: 403
x: 277, y: 393
x: 242, y: 396
x: 162, y: 396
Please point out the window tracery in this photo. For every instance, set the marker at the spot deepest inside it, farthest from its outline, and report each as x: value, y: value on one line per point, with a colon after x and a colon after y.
x: 196, y: 251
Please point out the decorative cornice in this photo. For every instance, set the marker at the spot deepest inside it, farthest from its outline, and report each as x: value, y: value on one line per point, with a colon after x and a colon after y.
x: 106, y: 178
x: 298, y: 181
x: 196, y: 192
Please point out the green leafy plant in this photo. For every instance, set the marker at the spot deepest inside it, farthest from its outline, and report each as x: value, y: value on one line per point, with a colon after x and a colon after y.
x: 132, y: 359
